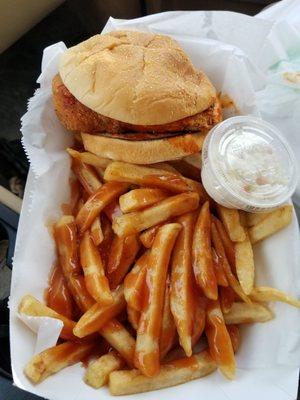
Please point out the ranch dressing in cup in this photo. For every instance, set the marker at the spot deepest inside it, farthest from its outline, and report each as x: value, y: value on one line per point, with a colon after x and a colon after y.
x: 248, y: 165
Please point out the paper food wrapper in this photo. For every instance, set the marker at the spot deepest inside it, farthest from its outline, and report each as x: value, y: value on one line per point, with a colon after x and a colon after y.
x: 268, y: 359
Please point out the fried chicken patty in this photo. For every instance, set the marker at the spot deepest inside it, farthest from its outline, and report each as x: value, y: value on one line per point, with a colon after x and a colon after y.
x: 76, y: 117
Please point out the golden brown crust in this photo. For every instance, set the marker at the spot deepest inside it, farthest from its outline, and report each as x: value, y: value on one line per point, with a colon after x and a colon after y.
x: 77, y: 117
x: 136, y: 77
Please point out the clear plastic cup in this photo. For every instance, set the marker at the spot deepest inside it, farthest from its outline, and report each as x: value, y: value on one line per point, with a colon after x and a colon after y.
x: 248, y: 165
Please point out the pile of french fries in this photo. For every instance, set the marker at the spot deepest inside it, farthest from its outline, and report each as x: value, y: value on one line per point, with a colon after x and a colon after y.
x: 147, y: 266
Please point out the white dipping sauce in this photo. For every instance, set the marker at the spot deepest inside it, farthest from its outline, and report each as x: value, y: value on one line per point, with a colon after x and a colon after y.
x: 248, y: 165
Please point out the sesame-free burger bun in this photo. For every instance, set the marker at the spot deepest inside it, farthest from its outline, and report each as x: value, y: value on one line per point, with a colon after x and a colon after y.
x: 136, y: 77
x: 144, y: 151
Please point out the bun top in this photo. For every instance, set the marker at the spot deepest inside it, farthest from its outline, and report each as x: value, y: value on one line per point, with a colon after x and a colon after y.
x: 136, y: 77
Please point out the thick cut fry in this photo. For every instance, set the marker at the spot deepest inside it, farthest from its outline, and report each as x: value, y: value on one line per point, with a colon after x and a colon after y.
x: 86, y: 176
x: 147, y: 342
x: 187, y: 169
x: 264, y: 293
x: 120, y: 339
x: 133, y: 317
x: 168, y: 328
x: 174, y: 206
x: 171, y: 374
x: 274, y: 222
x: 70, y: 208
x: 198, y: 317
x: 106, y: 243
x: 98, y: 371
x: 58, y: 296
x: 255, y: 218
x: 165, y: 166
x: 227, y: 297
x: 98, y: 315
x: 219, y: 341
x: 181, y: 282
x: 29, y: 305
x: 202, y: 258
x: 123, y: 253
x: 113, y: 210
x: 231, y: 220
x: 96, y: 231
x: 152, y: 177
x: 235, y: 336
x: 147, y: 237
x: 134, y: 283
x: 233, y: 282
x: 95, y: 204
x: 78, y: 207
x: 227, y: 243
x: 138, y: 199
x: 219, y: 270
x: 66, y: 241
x: 95, y: 279
x: 244, y: 264
x: 55, y: 359
x: 89, y: 158
x: 243, y: 313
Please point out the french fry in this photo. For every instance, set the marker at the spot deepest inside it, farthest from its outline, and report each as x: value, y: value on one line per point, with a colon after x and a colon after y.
x: 274, y: 222
x: 98, y: 371
x: 96, y: 231
x: 58, y: 296
x: 29, y: 305
x: 187, y: 169
x: 219, y: 270
x: 202, y: 254
x: 231, y: 220
x: 122, y: 254
x: 147, y: 341
x: 264, y: 293
x: 89, y: 158
x: 95, y: 204
x: 165, y: 166
x: 235, y: 336
x: 171, y: 374
x: 152, y: 177
x: 120, y: 339
x: 129, y: 224
x: 147, y: 237
x: 244, y: 264
x: 219, y: 341
x: 55, y: 359
x: 98, y: 315
x: 113, y: 210
x: 65, y: 233
x: 233, y: 282
x: 168, y: 327
x: 108, y: 236
x: 138, y: 199
x: 255, y: 218
x: 71, y: 207
x: 78, y: 207
x: 86, y: 176
x: 243, y: 313
x: 227, y: 297
x: 228, y: 245
x: 199, y: 315
x: 133, y: 317
x: 95, y: 280
x: 181, y: 296
x: 134, y: 283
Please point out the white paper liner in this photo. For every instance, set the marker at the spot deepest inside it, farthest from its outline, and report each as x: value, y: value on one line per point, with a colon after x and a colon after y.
x: 270, y: 352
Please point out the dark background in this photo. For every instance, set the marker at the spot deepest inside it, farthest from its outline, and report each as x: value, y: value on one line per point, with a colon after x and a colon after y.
x: 72, y: 22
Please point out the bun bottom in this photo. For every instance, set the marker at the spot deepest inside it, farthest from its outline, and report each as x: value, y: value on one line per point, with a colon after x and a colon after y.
x: 144, y: 151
